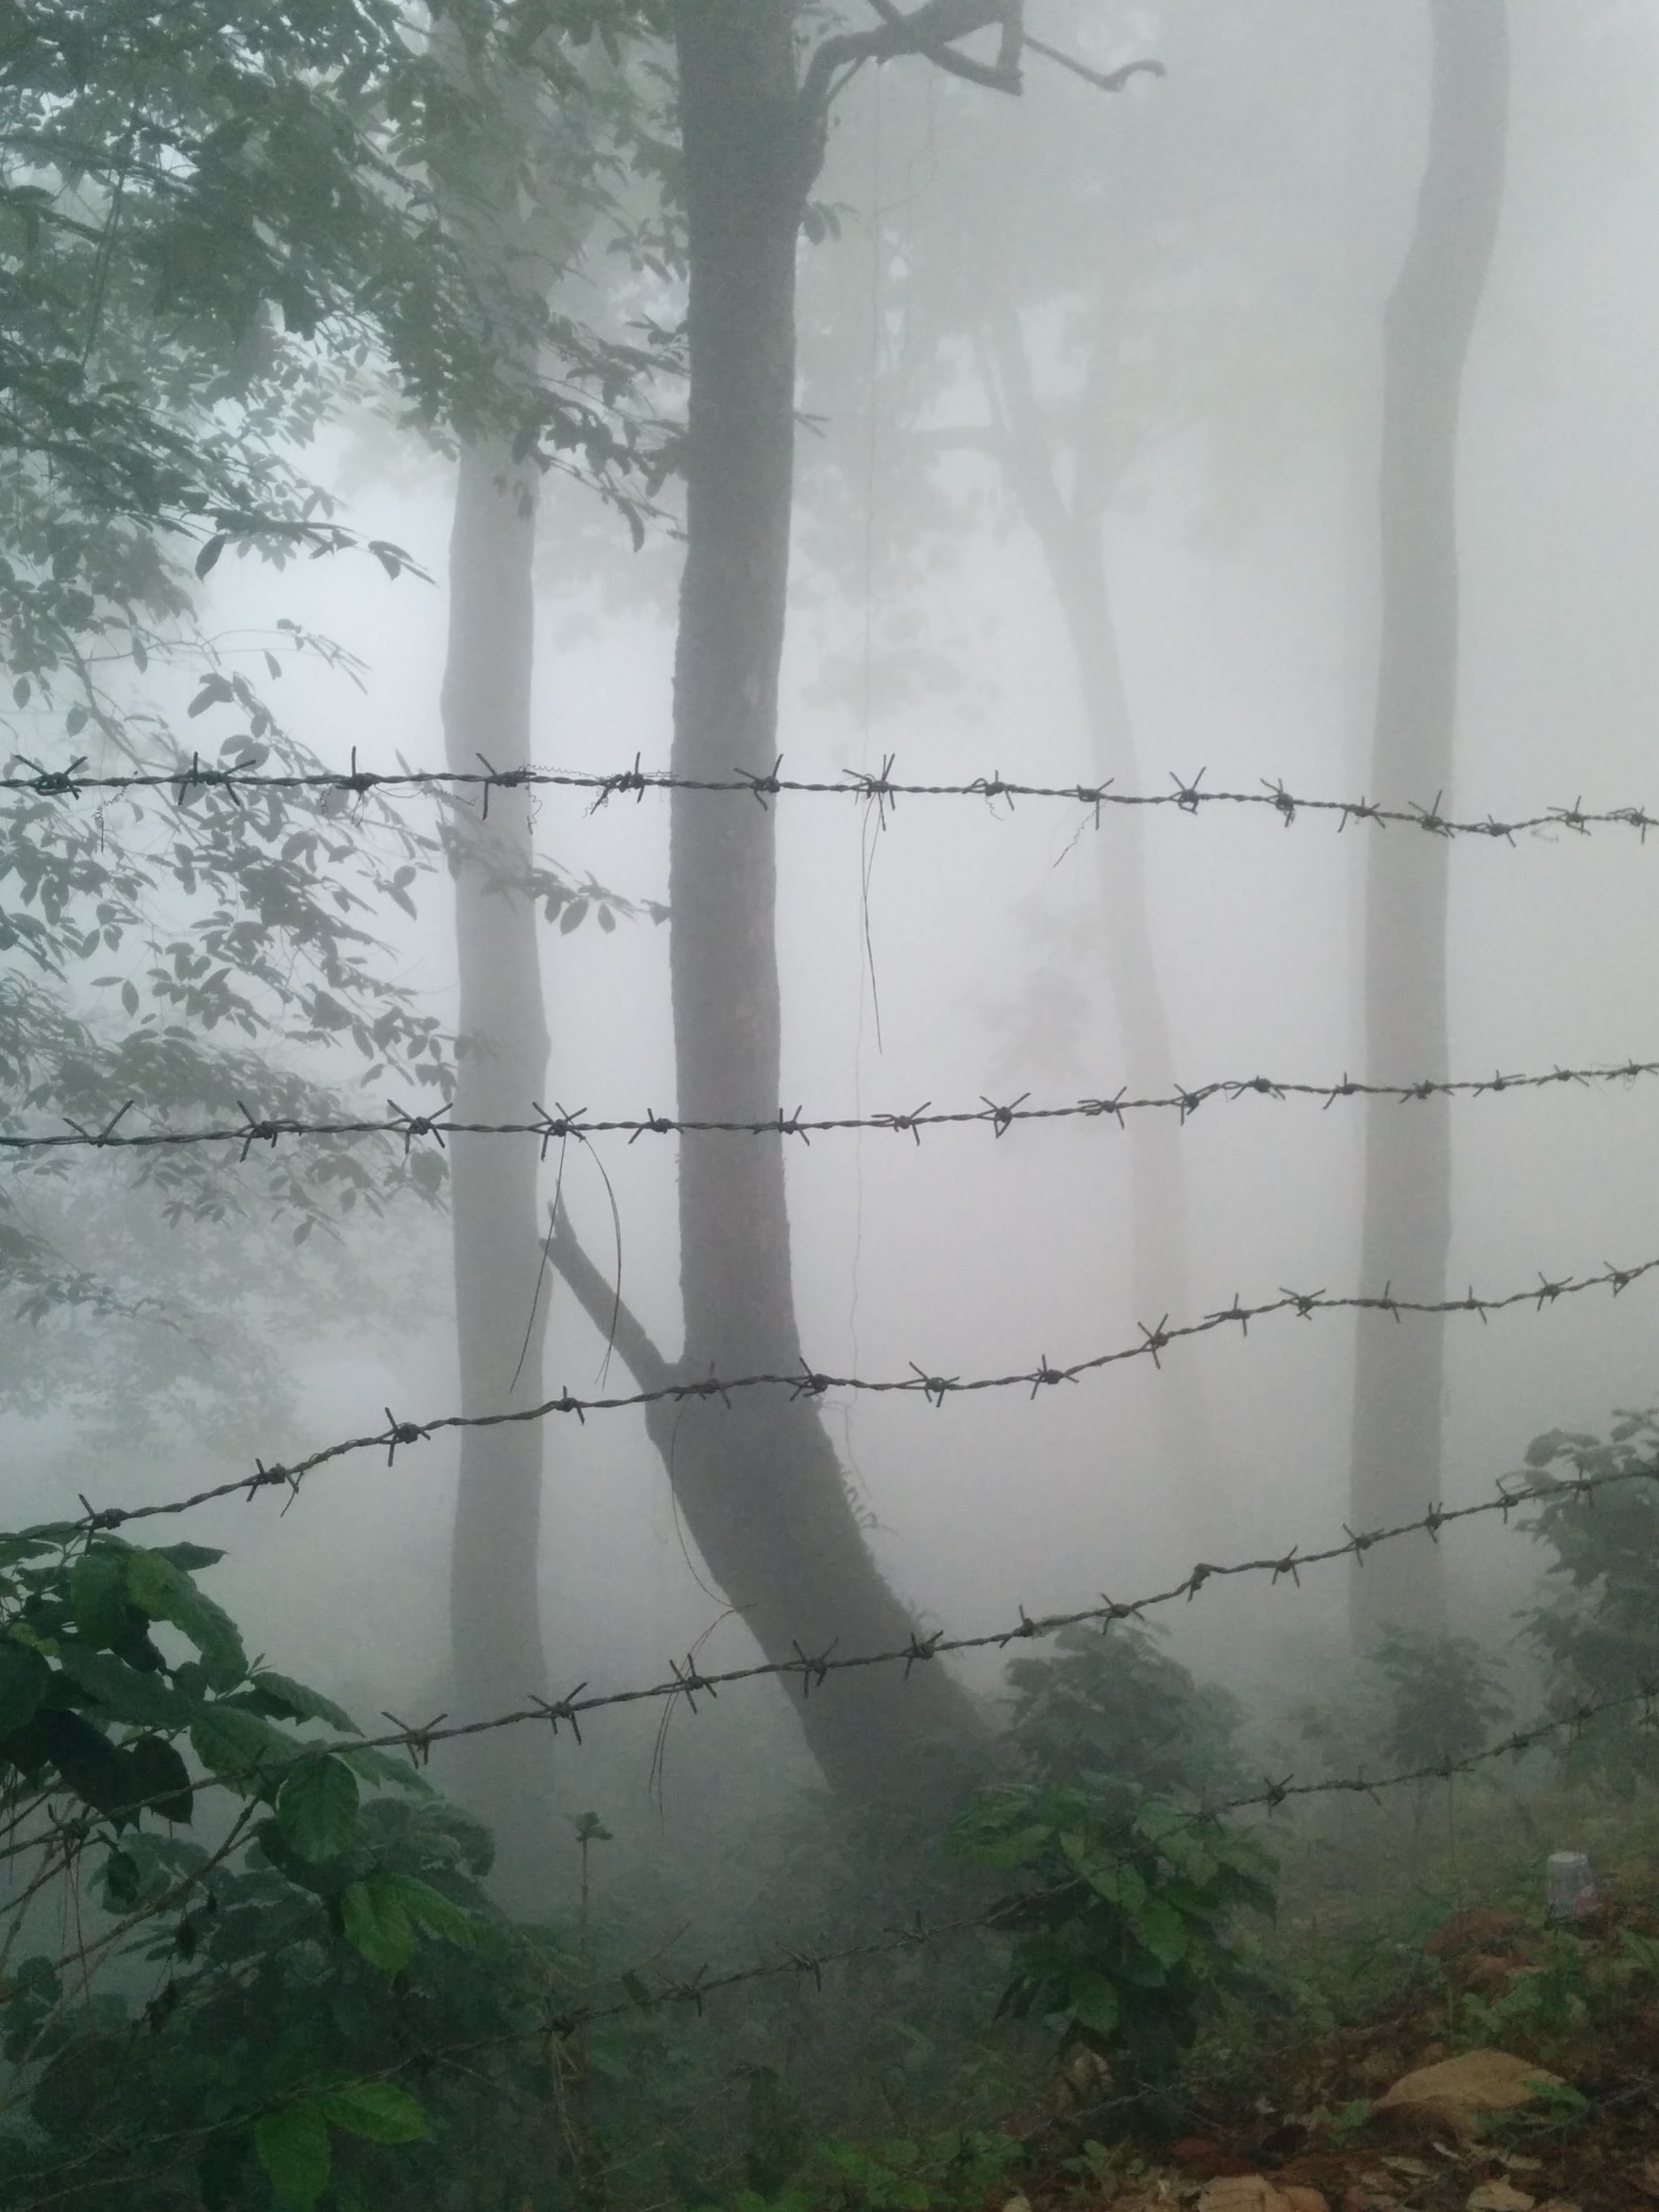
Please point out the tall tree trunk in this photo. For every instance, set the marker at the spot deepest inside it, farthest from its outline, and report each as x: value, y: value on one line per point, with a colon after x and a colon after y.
x: 1070, y: 530
x: 1400, y: 1372
x: 501, y: 1066
x: 758, y: 1481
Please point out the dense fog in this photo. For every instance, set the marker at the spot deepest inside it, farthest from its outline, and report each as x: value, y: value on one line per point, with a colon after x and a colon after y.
x: 1092, y: 438
x: 1237, y: 554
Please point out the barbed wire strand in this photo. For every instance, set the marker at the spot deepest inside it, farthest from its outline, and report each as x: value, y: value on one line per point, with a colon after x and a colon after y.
x: 936, y: 1389
x: 881, y: 788
x: 687, y: 1682
x: 561, y: 1125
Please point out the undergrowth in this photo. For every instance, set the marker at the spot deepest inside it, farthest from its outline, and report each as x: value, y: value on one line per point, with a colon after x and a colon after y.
x: 249, y: 1962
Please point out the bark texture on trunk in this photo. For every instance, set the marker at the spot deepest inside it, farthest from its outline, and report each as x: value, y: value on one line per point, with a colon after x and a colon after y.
x: 1069, y: 524
x: 502, y: 1060
x: 758, y: 1481
x: 1399, y: 1369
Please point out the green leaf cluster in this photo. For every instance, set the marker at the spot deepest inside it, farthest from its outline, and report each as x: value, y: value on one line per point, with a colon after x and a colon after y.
x: 273, y: 1954
x: 1118, y: 1707
x: 1125, y: 1917
x: 899, y: 2174
x: 1597, y: 1627
x: 1441, y: 1700
x: 221, y: 230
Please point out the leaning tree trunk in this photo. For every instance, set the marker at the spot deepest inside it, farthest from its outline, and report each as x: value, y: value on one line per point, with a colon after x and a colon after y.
x: 501, y: 1060
x: 1070, y: 531
x: 1400, y: 1373
x: 758, y: 1481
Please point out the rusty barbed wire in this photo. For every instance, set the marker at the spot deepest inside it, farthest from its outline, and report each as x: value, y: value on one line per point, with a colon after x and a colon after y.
x: 560, y: 1125
x: 880, y: 788
x: 810, y: 1383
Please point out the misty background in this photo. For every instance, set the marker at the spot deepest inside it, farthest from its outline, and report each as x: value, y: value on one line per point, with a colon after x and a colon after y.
x: 1198, y: 264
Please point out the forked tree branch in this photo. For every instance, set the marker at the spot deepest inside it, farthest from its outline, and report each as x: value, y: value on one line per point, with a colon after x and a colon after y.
x: 928, y: 30
x: 931, y: 30
x: 604, y: 1307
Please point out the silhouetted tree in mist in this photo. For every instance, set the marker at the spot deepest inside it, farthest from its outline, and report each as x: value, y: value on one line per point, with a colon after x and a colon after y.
x: 524, y: 199
x: 1400, y: 1366
x: 757, y: 1479
x: 1081, y: 320
x: 500, y: 1066
x: 1065, y: 497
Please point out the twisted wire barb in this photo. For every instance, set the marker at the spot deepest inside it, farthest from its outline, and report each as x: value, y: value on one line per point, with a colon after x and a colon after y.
x: 812, y: 1384
x: 881, y: 788
x: 560, y: 1125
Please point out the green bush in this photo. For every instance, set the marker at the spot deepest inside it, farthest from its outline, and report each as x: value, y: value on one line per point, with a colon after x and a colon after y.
x: 265, y: 2011
x: 1117, y: 1708
x: 1597, y: 1629
x: 1440, y: 1700
x: 1124, y: 1919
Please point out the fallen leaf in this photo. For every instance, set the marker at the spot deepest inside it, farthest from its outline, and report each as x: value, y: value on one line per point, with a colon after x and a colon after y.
x: 1461, y: 2088
x: 1240, y: 2192
x: 1418, y: 2168
x: 1499, y: 2197
x: 1254, y: 2192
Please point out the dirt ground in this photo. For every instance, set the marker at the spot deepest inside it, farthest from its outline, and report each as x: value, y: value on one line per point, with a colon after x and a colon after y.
x: 1338, y: 2125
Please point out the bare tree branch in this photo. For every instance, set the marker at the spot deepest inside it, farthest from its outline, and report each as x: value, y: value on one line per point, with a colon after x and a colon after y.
x: 931, y: 30
x: 604, y: 1307
x: 928, y: 30
x: 1106, y: 80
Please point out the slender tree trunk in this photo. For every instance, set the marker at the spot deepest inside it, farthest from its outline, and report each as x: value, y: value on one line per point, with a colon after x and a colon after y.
x: 758, y: 1481
x: 501, y: 1063
x: 1400, y: 1374
x: 1070, y: 531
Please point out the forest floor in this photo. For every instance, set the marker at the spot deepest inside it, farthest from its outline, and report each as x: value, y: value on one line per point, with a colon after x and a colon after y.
x: 1336, y: 2124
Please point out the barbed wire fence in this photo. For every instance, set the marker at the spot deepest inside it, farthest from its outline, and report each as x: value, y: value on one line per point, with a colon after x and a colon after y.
x: 688, y: 1683
x: 806, y: 1962
x: 685, y: 1683
x: 883, y: 790
x: 934, y: 1388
